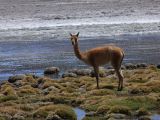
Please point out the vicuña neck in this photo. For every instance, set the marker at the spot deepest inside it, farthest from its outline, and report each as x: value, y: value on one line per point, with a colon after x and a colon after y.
x: 77, y: 51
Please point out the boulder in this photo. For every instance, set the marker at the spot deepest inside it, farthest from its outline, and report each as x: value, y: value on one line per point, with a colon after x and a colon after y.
x: 144, y: 118
x: 35, y: 85
x: 15, y: 78
x: 158, y: 66
x: 5, y: 116
x: 47, y: 90
x: 69, y: 74
x: 141, y: 65
x: 18, y: 84
x: 110, y: 72
x: 130, y: 66
x: 116, y: 116
x: 123, y: 67
x: 53, y: 116
x: 51, y: 70
x: 84, y: 72
x: 81, y: 72
x: 91, y: 114
x: 18, y: 117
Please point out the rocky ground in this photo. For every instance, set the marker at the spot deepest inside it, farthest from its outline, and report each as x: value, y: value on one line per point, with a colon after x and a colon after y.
x: 30, y: 97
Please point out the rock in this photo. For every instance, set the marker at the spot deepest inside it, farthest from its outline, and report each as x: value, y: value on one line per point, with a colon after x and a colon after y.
x: 18, y: 117
x: 53, y: 116
x: 40, y: 81
x: 6, y: 116
x: 123, y: 67
x: 144, y: 118
x: 32, y: 75
x: 35, y: 85
x: 18, y: 84
x: 110, y: 72
x: 45, y: 91
x: 130, y: 66
x: 109, y: 67
x: 141, y: 65
x: 82, y: 90
x: 90, y: 114
x: 158, y: 66
x: 84, y: 72
x: 69, y: 74
x: 52, y: 88
x: 73, y: 71
x: 116, y: 116
x: 51, y: 70
x: 142, y: 112
x: 81, y: 72
x: 102, y: 72
x: 15, y: 78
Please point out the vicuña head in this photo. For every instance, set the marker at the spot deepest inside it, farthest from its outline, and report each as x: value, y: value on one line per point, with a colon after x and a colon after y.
x: 100, y: 56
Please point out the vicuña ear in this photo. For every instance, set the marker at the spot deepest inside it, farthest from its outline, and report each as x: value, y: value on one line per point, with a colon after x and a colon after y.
x: 77, y: 34
x: 70, y: 34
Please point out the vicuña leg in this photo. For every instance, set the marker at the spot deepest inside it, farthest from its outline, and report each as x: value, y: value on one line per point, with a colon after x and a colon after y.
x: 120, y: 77
x: 96, y: 71
x: 117, y: 67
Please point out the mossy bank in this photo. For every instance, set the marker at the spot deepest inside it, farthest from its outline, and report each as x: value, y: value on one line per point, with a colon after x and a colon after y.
x: 43, y: 98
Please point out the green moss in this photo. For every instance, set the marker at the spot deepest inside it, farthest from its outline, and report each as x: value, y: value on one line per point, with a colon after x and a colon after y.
x: 29, y: 79
x: 108, y: 86
x: 139, y: 90
x: 2, y: 118
x: 82, y: 92
x: 57, y: 99
x: 102, y: 72
x: 139, y: 101
x: 7, y: 98
x: 138, y: 80
x: 25, y: 107
x: 94, y: 118
x: 65, y: 112
x: 27, y: 89
x: 9, y: 91
x: 100, y: 92
x: 103, y: 109
x: 120, y: 109
x: 154, y: 85
x: 92, y: 107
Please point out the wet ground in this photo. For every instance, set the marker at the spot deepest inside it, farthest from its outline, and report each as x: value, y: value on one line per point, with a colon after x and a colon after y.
x: 19, y: 57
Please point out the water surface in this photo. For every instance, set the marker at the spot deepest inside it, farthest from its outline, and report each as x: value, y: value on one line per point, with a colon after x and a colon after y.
x: 22, y: 56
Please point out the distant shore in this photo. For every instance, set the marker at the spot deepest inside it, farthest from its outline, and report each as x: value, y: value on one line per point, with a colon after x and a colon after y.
x: 36, y: 19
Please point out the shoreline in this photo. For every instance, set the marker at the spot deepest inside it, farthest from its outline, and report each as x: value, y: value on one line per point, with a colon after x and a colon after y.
x: 18, y: 57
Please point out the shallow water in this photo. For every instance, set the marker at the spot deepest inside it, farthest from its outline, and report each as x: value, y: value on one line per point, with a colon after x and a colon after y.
x: 22, y: 56
x: 80, y: 113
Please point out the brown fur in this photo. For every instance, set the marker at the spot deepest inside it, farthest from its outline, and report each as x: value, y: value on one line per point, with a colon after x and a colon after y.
x: 100, y: 56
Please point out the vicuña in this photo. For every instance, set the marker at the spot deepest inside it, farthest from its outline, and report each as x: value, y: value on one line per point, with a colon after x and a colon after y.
x: 99, y: 56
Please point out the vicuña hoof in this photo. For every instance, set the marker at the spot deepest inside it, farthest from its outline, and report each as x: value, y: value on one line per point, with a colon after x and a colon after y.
x: 119, y: 89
